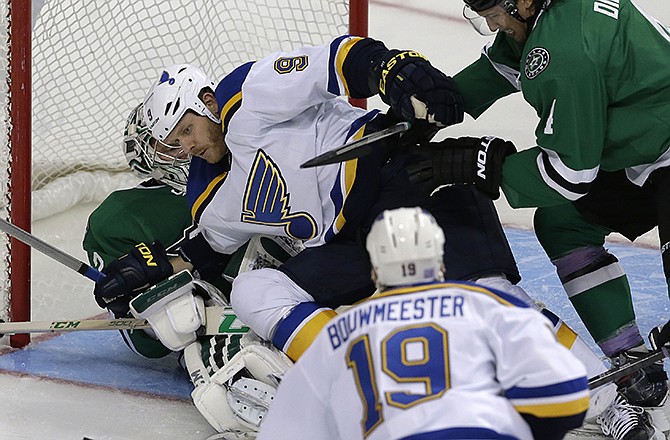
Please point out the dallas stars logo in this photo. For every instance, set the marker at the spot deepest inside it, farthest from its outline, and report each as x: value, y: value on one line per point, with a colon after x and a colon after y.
x: 536, y: 61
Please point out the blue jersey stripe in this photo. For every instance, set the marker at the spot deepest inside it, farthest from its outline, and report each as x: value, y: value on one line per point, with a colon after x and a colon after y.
x: 333, y: 85
x: 460, y: 434
x: 231, y: 84
x: 287, y: 326
x: 558, y: 389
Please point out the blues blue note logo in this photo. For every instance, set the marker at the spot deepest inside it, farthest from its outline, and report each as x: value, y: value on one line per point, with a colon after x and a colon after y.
x: 266, y: 201
x: 165, y: 77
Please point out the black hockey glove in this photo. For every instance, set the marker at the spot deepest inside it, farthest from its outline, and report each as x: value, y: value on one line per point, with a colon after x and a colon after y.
x: 405, y: 74
x: 659, y: 336
x: 471, y: 160
x: 144, y: 266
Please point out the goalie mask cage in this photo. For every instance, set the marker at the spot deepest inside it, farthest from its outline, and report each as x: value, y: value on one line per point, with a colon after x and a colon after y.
x: 75, y: 68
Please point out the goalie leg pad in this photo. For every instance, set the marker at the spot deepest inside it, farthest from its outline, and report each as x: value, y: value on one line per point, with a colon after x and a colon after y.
x: 250, y: 400
x: 230, y: 403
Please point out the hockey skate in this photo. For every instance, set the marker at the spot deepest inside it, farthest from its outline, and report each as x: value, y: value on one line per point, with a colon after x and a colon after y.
x: 647, y: 387
x: 623, y: 421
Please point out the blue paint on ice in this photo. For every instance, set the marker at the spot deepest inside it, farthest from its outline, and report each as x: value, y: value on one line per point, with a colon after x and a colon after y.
x: 100, y: 358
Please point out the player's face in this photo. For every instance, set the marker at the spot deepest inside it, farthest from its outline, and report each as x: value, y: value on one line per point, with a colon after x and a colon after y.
x: 498, y: 19
x: 199, y: 136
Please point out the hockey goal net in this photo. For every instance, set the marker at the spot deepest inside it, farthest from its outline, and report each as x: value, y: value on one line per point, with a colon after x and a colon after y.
x: 92, y: 62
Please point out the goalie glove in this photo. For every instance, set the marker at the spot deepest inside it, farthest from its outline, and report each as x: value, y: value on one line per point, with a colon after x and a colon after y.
x: 143, y: 266
x: 471, y: 160
x: 235, y: 380
x: 415, y: 89
x: 173, y: 310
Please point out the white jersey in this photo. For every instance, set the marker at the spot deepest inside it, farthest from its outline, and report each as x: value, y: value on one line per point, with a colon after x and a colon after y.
x: 452, y: 360
x: 277, y: 113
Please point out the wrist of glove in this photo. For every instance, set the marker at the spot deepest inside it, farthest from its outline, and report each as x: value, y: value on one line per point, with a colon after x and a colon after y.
x: 142, y: 267
x: 415, y: 89
x: 464, y: 160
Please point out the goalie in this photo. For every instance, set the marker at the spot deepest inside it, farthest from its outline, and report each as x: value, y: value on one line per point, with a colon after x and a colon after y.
x: 234, y: 375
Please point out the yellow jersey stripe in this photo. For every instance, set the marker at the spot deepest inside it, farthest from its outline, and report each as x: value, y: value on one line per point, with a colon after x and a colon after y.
x: 563, y: 409
x: 350, y: 168
x: 341, y: 56
x: 209, y: 191
x: 304, y: 337
x: 566, y: 336
x: 227, y: 107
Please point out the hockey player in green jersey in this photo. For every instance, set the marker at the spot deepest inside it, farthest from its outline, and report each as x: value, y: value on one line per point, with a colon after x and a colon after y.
x: 157, y: 211
x: 154, y: 210
x: 598, y: 76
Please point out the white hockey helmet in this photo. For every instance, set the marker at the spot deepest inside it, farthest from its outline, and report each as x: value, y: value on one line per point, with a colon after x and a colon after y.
x: 146, y: 161
x: 406, y: 246
x: 175, y: 91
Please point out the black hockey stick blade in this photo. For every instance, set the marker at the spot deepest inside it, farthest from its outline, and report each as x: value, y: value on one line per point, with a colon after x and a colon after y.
x: 619, y: 372
x: 358, y: 148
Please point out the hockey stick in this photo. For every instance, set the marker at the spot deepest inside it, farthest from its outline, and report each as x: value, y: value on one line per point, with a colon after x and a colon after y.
x: 619, y: 372
x: 357, y: 148
x: 51, y: 251
x: 219, y: 321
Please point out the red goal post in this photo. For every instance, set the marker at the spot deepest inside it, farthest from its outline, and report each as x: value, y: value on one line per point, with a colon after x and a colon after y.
x: 75, y: 68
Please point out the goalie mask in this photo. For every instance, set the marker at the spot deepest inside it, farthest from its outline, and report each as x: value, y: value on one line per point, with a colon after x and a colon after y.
x: 173, y: 93
x: 406, y: 246
x: 146, y: 159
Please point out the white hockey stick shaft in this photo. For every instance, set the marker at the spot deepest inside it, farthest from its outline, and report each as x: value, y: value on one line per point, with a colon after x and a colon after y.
x: 219, y: 321
x: 50, y: 251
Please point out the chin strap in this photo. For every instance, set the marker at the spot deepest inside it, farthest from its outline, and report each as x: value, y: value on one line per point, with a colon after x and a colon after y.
x: 510, y: 7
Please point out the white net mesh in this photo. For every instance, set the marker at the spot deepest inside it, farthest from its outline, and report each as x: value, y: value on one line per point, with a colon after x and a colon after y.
x: 93, y: 61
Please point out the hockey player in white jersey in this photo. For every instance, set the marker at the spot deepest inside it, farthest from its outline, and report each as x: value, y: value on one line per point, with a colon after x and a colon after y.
x: 276, y: 113
x: 428, y: 359
x: 248, y: 135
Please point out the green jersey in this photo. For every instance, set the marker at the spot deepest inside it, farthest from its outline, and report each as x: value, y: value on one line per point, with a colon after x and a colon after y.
x: 598, y: 75
x: 150, y: 211
x: 146, y: 213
